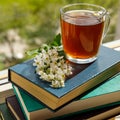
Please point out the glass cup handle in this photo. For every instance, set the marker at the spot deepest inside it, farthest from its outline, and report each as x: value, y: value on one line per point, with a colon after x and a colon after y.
x: 107, y: 23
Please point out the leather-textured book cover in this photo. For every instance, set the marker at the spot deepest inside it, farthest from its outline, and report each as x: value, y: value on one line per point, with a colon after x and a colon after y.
x: 84, y: 78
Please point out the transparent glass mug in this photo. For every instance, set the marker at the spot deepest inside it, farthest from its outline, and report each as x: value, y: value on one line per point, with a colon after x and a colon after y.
x: 83, y: 27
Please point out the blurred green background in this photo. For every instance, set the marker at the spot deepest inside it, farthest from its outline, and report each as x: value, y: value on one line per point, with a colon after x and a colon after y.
x: 26, y: 24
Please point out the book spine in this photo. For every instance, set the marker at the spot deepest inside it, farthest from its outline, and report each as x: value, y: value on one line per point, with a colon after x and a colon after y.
x: 20, y: 103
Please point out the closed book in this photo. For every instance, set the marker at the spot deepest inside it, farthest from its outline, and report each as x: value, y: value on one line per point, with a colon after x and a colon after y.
x: 14, y: 108
x: 3, y: 74
x: 5, y: 91
x: 84, y: 78
x: 102, y: 95
x: 5, y: 86
x: 95, y: 114
x: 105, y: 113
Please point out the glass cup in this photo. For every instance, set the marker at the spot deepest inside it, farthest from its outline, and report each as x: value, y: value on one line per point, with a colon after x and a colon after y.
x: 83, y: 26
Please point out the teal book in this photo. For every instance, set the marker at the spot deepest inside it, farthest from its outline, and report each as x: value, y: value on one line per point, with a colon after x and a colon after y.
x: 84, y: 78
x: 103, y: 95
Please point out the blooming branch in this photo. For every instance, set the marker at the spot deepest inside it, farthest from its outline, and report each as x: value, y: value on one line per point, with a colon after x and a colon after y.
x: 52, y: 67
x: 51, y: 63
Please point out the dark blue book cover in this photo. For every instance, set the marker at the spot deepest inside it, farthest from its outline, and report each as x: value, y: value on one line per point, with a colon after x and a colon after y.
x: 84, y: 78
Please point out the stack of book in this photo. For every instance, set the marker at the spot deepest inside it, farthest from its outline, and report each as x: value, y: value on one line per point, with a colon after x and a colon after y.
x: 5, y: 86
x: 91, y: 92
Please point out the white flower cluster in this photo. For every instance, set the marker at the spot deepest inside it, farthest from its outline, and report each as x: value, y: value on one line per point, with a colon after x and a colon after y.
x: 52, y: 67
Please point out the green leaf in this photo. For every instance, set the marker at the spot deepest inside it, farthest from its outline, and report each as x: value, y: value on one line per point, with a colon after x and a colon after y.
x: 56, y: 41
x: 32, y: 52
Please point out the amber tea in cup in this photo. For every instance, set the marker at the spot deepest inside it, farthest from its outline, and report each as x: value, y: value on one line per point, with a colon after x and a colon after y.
x: 83, y: 26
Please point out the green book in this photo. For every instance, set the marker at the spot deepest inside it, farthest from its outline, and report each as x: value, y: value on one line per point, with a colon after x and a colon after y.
x: 84, y: 78
x: 103, y: 95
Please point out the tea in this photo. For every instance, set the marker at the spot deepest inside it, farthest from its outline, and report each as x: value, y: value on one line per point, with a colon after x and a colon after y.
x: 81, y: 33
